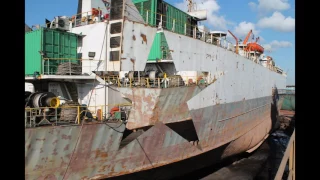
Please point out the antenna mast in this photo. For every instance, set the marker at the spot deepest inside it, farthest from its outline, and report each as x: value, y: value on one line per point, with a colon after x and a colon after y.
x: 190, y: 5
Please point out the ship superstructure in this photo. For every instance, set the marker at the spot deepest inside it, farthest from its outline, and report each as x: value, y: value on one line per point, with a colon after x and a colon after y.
x: 128, y: 86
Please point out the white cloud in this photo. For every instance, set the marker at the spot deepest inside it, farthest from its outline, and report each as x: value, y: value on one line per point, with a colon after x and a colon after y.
x: 278, y: 22
x: 274, y: 45
x: 213, y: 19
x: 243, y: 28
x: 252, y: 5
x: 270, y: 5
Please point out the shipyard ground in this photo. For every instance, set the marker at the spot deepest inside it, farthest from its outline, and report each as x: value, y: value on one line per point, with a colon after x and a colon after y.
x: 262, y: 164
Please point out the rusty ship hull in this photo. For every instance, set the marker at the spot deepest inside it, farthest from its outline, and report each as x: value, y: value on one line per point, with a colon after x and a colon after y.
x: 169, y: 125
x: 92, y: 151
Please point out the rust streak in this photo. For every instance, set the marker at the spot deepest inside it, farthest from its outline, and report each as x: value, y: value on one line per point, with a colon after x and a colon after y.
x: 66, y: 148
x: 101, y: 154
x: 144, y: 38
x: 66, y: 137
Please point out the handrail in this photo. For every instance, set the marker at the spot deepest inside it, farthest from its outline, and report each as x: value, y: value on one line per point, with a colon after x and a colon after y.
x: 288, y: 155
x: 55, y: 113
x: 163, y: 82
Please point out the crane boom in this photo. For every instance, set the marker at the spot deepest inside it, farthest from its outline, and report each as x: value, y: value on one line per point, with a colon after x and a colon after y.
x: 236, y: 40
x: 247, y: 37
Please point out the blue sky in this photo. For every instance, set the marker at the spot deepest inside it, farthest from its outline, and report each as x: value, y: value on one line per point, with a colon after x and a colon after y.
x: 272, y: 20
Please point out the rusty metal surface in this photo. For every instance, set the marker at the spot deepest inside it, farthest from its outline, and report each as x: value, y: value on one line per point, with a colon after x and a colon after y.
x: 219, y: 124
x: 136, y: 43
x: 144, y: 103
x: 48, y: 150
x: 97, y: 155
x: 152, y: 105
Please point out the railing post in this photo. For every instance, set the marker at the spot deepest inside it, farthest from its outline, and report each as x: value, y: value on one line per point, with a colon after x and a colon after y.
x: 158, y: 82
x: 42, y: 71
x: 147, y: 18
x: 78, y: 114
x: 148, y: 85
x: 69, y: 66
x: 130, y: 82
x: 48, y: 67
x: 101, y: 113
x: 173, y: 27
x: 99, y: 14
x: 87, y: 18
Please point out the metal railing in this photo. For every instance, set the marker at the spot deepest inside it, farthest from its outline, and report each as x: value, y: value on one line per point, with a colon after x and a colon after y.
x: 69, y: 66
x: 83, y: 19
x: 286, y: 91
x: 288, y: 155
x: 72, y: 114
x: 164, y: 82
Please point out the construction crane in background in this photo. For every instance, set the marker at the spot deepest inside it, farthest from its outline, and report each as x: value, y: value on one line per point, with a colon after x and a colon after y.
x: 236, y: 41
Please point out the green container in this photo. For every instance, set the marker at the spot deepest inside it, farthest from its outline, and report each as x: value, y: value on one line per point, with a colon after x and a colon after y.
x: 180, y: 18
x: 55, y: 44
x: 147, y: 5
x: 159, y: 49
x: 172, y: 14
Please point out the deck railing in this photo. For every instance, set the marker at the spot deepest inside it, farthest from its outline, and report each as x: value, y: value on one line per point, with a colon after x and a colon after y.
x: 69, y: 66
x: 66, y: 115
x: 288, y: 155
x: 163, y: 82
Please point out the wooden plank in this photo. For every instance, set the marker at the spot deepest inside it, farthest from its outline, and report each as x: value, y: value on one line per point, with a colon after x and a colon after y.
x: 290, y: 176
x: 285, y: 158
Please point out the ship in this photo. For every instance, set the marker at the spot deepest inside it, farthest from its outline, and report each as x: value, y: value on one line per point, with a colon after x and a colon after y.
x: 134, y: 86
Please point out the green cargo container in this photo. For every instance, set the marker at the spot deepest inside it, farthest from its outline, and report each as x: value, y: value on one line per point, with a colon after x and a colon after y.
x: 180, y: 17
x: 147, y: 5
x: 55, y: 44
x: 159, y: 49
x: 169, y: 12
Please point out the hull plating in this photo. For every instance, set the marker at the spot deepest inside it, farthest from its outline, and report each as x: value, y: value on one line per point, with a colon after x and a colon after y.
x: 92, y: 151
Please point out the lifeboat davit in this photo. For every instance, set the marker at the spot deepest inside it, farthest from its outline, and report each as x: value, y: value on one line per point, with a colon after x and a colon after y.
x: 255, y: 47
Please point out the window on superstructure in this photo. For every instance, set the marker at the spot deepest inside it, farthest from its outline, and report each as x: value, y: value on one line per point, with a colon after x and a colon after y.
x: 115, y: 28
x: 115, y: 42
x: 114, y: 55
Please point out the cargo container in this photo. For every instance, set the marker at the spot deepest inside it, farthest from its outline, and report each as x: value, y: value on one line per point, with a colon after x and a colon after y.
x: 151, y: 11
x: 54, y: 44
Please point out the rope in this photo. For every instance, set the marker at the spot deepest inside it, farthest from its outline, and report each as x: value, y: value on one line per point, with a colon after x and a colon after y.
x: 84, y: 115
